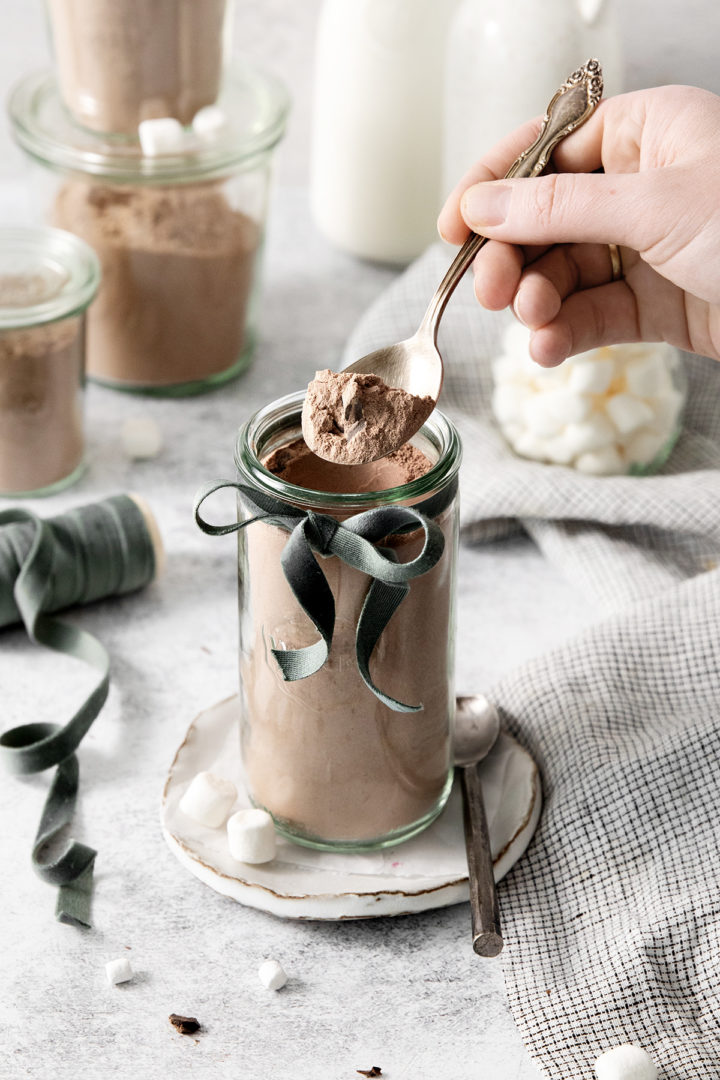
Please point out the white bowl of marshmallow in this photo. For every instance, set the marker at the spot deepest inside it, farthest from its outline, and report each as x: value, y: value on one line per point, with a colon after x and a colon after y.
x: 605, y: 412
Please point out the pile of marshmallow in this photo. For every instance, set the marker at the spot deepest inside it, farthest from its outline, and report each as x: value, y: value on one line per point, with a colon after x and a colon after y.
x: 607, y: 411
x: 166, y: 135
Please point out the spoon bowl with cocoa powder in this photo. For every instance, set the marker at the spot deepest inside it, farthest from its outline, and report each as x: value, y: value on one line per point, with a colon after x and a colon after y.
x: 379, y: 402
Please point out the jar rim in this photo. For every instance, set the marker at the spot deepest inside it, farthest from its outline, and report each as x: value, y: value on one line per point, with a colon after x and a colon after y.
x: 256, y: 104
x: 279, y: 415
x: 67, y: 262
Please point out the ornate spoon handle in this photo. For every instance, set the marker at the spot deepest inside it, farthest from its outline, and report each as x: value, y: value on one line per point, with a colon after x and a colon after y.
x: 570, y: 107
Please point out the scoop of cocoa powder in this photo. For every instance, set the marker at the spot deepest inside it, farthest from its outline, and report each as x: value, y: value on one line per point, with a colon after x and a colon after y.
x: 351, y: 419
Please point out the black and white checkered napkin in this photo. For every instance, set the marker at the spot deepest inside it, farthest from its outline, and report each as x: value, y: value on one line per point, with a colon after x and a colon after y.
x: 612, y: 919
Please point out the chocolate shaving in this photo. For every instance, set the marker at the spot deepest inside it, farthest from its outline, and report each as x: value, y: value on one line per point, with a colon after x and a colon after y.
x: 186, y: 1025
x: 375, y: 1071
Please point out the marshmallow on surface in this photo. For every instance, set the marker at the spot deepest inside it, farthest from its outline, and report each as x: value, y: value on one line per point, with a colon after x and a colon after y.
x: 118, y: 971
x: 251, y: 836
x: 208, y: 799
x: 272, y: 974
x: 626, y: 1062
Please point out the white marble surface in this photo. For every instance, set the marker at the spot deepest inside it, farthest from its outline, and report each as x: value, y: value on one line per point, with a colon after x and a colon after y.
x: 407, y: 994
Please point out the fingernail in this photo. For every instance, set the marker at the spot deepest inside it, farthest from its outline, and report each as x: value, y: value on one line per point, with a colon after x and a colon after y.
x: 486, y: 204
x: 516, y: 308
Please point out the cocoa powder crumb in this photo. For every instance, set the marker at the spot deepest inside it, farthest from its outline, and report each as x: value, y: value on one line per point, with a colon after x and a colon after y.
x: 186, y: 1025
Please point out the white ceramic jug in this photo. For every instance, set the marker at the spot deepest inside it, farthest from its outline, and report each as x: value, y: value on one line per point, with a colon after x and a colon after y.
x: 376, y: 172
x: 506, y: 58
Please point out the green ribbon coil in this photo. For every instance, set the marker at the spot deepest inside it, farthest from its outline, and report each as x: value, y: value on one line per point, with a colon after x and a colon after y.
x: 95, y: 551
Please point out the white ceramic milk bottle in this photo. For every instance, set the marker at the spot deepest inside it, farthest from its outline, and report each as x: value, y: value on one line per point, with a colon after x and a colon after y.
x: 506, y: 58
x: 376, y: 173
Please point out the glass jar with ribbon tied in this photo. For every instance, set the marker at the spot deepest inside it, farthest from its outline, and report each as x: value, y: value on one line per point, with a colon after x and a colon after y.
x: 346, y: 579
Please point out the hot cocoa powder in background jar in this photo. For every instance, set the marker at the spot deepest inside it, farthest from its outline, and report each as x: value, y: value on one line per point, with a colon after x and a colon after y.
x: 179, y: 235
x: 178, y: 269
x: 334, y: 765
x: 123, y: 61
x: 47, y: 279
x: 41, y: 428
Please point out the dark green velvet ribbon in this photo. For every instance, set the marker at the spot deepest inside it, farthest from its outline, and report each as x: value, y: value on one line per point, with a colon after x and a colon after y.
x: 91, y: 552
x: 356, y: 542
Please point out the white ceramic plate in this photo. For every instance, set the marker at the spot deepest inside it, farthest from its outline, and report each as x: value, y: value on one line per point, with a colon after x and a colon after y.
x: 428, y: 871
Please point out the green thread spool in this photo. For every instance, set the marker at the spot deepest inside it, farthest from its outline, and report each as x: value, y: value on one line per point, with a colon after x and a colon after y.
x: 100, y: 550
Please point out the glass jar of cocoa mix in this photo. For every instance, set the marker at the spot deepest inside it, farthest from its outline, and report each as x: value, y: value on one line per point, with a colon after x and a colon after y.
x: 347, y: 578
x: 179, y: 233
x: 47, y: 280
x: 123, y: 61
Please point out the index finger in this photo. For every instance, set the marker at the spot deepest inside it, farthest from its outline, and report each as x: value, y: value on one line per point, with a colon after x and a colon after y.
x: 579, y: 152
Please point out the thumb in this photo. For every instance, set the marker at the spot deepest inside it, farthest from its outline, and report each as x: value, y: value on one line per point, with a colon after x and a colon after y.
x: 568, y: 208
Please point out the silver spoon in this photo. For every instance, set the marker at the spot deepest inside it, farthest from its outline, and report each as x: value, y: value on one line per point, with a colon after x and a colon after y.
x: 415, y: 365
x: 477, y: 726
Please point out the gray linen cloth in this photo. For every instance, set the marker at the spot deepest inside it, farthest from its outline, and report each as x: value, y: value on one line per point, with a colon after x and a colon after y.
x: 612, y: 918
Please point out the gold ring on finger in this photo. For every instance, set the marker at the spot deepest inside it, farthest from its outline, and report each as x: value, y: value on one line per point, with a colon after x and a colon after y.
x: 616, y: 266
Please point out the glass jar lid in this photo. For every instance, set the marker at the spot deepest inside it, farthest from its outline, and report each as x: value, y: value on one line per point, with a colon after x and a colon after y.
x: 255, y: 106
x: 45, y: 274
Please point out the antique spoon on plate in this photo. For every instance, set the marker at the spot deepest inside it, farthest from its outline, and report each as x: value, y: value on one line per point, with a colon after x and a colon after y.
x: 477, y: 727
x: 415, y: 365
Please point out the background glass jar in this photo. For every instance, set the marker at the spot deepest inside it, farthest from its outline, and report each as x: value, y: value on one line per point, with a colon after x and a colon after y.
x: 335, y: 766
x: 179, y: 235
x: 123, y: 61
x: 47, y: 280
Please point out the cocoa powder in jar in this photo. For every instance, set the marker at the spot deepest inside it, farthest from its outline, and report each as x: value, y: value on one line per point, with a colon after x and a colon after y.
x: 41, y: 432
x: 325, y: 756
x: 123, y: 61
x: 178, y: 268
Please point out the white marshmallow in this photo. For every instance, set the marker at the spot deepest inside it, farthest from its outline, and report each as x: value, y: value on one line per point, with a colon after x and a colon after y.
x: 559, y: 450
x: 644, y: 446
x: 648, y: 375
x: 666, y: 409
x: 251, y: 836
x: 628, y: 413
x: 591, y: 434
x: 604, y: 462
x: 549, y: 411
x: 531, y: 446
x: 569, y: 407
x: 541, y: 419
x: 507, y: 402
x: 141, y: 438
x: 208, y: 799
x: 118, y: 971
x: 590, y: 376
x: 272, y: 975
x: 625, y: 1063
x: 546, y: 378
x: 164, y: 135
x: 209, y: 122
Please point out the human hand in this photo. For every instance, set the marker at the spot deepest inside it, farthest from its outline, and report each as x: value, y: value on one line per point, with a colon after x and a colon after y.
x: 659, y: 197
